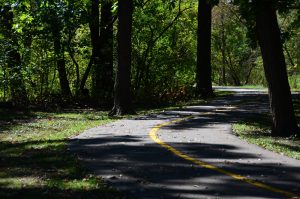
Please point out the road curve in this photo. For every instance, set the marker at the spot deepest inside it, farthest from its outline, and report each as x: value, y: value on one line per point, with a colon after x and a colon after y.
x: 129, y: 159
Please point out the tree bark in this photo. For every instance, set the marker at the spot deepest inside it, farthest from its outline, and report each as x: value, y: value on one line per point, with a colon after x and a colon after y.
x: 103, y: 71
x: 94, y: 24
x: 268, y: 35
x: 203, y: 71
x: 86, y: 74
x: 14, y: 62
x: 223, y: 49
x: 122, y: 92
x: 61, y: 65
x: 72, y: 56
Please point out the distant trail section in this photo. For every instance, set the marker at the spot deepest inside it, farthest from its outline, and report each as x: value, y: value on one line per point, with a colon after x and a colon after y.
x: 128, y: 159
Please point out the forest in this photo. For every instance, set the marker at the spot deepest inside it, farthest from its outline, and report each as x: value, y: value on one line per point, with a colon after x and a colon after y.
x: 120, y: 56
x: 54, y: 52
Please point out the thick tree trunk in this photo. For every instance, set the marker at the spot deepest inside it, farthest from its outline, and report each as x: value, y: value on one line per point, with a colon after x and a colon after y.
x: 95, y: 24
x: 14, y: 63
x: 103, y: 86
x: 122, y: 95
x: 268, y: 34
x: 203, y: 71
x: 61, y: 65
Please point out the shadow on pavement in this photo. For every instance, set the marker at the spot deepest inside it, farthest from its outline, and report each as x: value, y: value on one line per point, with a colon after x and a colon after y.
x: 149, y: 171
x: 146, y: 170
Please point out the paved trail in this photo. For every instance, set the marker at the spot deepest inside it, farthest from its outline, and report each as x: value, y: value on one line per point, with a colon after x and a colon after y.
x: 213, y: 164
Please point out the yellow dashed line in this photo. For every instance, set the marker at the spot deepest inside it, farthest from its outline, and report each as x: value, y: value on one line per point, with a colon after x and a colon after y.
x: 255, y: 183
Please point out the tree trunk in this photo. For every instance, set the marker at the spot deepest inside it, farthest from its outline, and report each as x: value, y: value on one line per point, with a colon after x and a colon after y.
x: 95, y: 40
x: 14, y: 63
x: 95, y: 37
x: 103, y: 86
x: 61, y: 65
x: 203, y: 71
x: 122, y: 95
x: 223, y: 49
x: 94, y: 25
x: 72, y: 56
x: 268, y: 34
x: 86, y: 75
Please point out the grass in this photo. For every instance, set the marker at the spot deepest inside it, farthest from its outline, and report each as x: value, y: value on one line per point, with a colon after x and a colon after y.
x: 253, y: 86
x: 257, y: 131
x: 34, y: 159
x: 261, y: 136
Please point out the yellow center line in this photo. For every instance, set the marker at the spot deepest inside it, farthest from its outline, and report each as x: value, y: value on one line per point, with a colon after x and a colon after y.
x: 235, y: 176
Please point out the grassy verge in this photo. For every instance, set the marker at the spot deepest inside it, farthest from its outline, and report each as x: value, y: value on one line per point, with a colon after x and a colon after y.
x: 261, y: 136
x: 258, y: 133
x: 34, y: 160
x: 253, y: 86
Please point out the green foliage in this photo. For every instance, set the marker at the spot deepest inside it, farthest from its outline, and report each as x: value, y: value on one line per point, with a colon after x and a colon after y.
x: 290, y: 27
x: 231, y: 47
x: 32, y: 25
x: 164, y: 46
x: 164, y: 49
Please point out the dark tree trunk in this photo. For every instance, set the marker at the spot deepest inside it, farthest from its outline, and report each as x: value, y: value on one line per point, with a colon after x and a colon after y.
x: 14, y: 63
x: 223, y: 49
x: 203, y: 71
x: 86, y: 75
x: 268, y: 34
x: 103, y: 71
x: 122, y: 93
x: 72, y: 56
x: 94, y: 24
x: 95, y: 39
x: 61, y: 65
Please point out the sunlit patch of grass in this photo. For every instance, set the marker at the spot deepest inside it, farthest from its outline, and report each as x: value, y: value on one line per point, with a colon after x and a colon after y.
x: 19, y: 182
x: 34, y: 159
x: 87, y: 183
x: 253, y: 86
x: 262, y: 137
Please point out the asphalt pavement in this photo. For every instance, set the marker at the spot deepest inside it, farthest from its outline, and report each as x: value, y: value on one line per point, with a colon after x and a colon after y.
x: 194, y: 154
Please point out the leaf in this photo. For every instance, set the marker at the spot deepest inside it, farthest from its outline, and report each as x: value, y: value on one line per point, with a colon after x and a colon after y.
x: 23, y: 17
